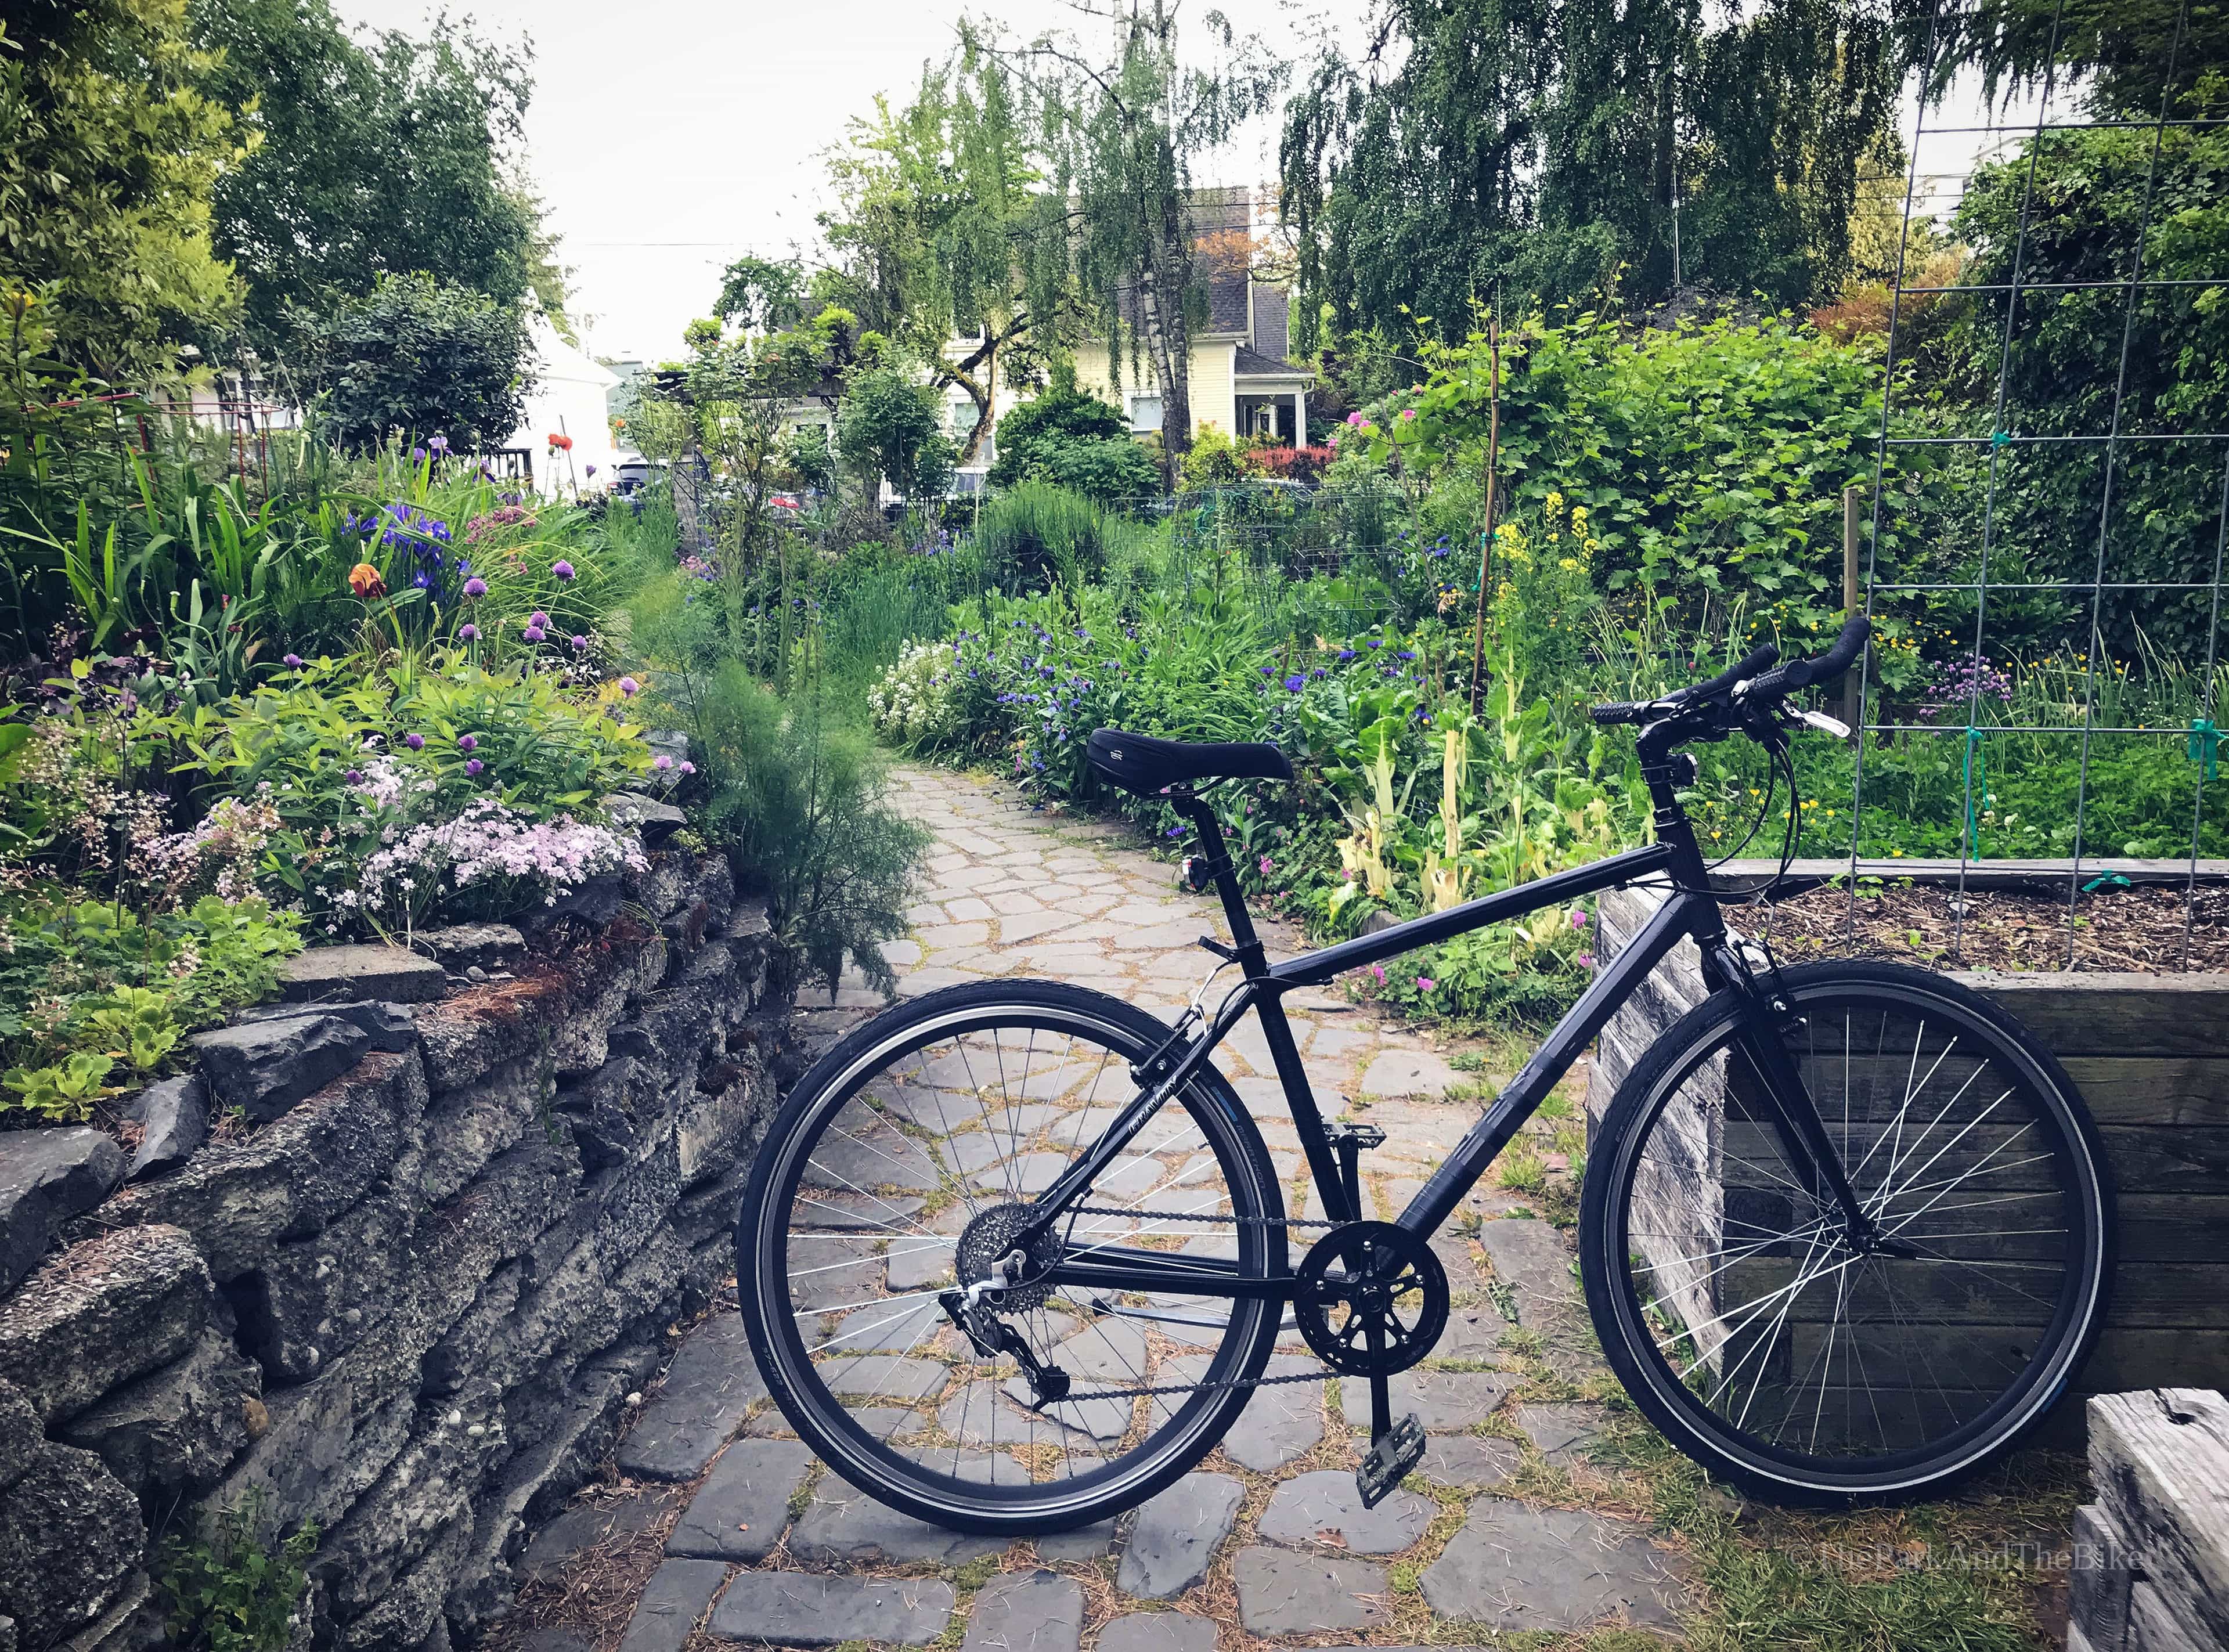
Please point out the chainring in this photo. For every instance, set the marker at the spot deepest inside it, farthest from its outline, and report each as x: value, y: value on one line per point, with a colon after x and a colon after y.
x: 989, y: 1238
x: 1372, y: 1298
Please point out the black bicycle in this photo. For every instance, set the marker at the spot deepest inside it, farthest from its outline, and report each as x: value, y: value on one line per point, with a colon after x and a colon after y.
x: 1014, y: 1257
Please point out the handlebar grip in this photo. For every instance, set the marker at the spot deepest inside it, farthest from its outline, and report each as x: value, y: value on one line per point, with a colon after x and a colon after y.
x: 1820, y: 668
x: 1618, y: 711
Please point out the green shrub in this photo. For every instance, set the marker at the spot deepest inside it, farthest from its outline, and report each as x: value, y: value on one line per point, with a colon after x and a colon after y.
x: 226, y: 1592
x: 797, y: 796
x: 418, y: 357
x: 1073, y: 439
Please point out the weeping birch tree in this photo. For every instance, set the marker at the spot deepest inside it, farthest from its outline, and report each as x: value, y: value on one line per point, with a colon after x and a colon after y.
x: 1120, y: 130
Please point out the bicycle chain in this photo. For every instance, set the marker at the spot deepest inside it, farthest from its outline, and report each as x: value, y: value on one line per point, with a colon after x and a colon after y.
x: 1154, y: 1391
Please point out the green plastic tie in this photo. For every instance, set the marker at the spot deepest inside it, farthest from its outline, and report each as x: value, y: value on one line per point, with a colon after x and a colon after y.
x: 1977, y: 779
x: 2110, y: 880
x: 2205, y: 742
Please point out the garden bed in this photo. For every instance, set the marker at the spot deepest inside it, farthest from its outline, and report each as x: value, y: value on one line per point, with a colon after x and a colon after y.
x: 1925, y: 919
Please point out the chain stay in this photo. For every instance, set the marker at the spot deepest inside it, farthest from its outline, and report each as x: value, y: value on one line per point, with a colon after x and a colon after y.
x: 1156, y: 1390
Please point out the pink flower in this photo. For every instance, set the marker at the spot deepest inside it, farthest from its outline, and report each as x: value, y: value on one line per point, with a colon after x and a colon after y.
x: 688, y: 767
x: 629, y: 686
x: 1265, y: 865
x: 1578, y: 917
x: 1425, y: 983
x: 1408, y: 413
x: 1586, y: 960
x: 661, y: 761
x: 1377, y: 974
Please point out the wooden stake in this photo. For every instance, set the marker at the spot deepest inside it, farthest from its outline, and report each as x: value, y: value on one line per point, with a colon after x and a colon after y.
x: 1486, y: 539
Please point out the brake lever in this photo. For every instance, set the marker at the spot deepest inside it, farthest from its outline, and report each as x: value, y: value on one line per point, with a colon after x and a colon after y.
x: 1820, y: 723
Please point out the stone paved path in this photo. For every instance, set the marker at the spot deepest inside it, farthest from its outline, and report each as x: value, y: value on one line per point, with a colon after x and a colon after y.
x: 720, y: 1529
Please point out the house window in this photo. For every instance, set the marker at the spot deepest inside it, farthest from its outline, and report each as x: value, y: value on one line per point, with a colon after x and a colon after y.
x: 963, y: 417
x: 1145, y: 412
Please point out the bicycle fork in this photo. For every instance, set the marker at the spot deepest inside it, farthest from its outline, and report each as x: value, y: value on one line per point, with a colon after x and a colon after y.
x: 1767, y: 1019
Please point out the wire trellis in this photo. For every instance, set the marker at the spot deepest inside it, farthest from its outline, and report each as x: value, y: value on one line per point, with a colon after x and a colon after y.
x: 2003, y: 443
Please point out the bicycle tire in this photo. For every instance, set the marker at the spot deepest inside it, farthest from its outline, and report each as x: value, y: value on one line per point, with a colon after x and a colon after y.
x: 909, y: 1483
x: 1646, y: 1212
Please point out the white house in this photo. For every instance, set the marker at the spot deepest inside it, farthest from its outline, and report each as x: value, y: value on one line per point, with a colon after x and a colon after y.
x: 568, y: 399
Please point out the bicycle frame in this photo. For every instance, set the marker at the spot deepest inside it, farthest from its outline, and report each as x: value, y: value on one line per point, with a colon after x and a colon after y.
x: 1688, y: 914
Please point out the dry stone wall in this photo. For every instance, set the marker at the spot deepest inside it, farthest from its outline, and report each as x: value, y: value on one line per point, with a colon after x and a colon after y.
x: 405, y: 1289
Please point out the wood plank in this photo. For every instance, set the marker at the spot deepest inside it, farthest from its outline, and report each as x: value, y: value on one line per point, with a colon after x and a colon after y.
x: 2128, y: 1358
x: 2153, y: 1089
x: 2160, y: 1461
x: 2033, y: 875
x: 2114, y: 1014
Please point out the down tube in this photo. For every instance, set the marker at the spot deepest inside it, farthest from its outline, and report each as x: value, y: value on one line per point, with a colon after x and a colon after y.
x: 1437, y: 1198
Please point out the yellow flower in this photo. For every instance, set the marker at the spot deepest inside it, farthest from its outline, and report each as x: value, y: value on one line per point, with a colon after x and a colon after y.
x: 1568, y: 562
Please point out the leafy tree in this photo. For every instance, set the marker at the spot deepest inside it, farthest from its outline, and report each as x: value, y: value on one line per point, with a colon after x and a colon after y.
x: 375, y: 159
x: 940, y: 234
x: 421, y: 358
x: 733, y: 397
x: 760, y: 294
x: 887, y: 430
x: 1069, y: 437
x: 1119, y: 133
x: 109, y: 147
x: 1531, y: 149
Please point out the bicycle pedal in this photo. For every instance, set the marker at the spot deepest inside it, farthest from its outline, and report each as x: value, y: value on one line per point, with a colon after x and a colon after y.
x: 1389, y: 1460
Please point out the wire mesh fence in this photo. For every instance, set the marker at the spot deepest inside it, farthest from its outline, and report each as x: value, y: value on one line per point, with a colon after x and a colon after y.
x: 2085, y: 591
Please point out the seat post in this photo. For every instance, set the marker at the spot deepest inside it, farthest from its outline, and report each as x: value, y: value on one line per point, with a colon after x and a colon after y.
x: 1216, y: 857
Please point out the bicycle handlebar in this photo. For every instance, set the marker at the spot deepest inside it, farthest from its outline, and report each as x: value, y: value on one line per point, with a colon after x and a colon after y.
x: 1763, y: 680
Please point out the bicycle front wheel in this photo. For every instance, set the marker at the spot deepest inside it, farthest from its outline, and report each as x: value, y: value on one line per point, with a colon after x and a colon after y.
x: 899, y: 1171
x: 1734, y: 1307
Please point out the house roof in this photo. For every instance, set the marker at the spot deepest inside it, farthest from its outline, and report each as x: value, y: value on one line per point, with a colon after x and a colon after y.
x: 1250, y: 363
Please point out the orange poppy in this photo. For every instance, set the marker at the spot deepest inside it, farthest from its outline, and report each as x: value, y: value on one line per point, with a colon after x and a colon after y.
x: 364, y: 580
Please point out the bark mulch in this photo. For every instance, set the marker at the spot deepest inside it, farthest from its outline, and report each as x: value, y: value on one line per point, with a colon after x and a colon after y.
x: 2148, y: 929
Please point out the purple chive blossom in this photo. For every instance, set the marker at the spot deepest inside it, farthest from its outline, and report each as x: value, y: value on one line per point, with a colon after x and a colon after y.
x: 415, y: 742
x: 562, y: 570
x: 474, y: 767
x: 476, y: 586
x: 538, y: 618
x: 293, y: 662
x: 535, y: 633
x: 469, y: 632
x: 629, y: 686
x: 355, y: 777
x: 662, y: 760
x: 468, y: 742
x: 580, y: 645
x: 688, y: 767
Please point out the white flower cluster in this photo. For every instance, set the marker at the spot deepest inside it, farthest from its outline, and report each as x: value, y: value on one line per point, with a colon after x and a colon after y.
x: 916, y: 699
x: 489, y: 843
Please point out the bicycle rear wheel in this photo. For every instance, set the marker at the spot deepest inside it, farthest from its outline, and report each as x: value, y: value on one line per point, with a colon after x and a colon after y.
x: 1735, y: 1309
x: 899, y: 1169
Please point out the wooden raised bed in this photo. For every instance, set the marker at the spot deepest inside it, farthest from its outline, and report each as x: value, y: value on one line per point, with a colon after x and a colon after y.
x: 2150, y: 1054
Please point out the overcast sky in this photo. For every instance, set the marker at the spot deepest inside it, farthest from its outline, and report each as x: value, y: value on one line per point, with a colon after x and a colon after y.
x: 667, y: 136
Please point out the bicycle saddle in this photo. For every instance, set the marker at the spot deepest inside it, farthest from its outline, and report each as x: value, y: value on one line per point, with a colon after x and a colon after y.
x: 1141, y: 764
